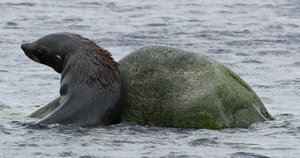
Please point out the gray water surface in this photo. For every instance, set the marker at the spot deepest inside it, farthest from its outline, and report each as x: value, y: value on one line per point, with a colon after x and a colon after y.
x: 257, y: 39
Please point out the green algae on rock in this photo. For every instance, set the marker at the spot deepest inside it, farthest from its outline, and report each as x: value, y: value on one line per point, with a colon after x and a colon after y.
x: 167, y: 86
x: 170, y: 87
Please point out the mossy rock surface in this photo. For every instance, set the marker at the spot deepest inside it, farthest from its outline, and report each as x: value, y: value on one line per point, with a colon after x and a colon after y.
x: 171, y: 87
x: 166, y: 86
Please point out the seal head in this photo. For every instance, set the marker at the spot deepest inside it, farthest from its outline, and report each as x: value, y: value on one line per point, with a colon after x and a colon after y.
x: 49, y: 50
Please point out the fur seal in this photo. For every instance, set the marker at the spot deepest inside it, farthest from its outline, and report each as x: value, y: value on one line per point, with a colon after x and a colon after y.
x: 91, y: 85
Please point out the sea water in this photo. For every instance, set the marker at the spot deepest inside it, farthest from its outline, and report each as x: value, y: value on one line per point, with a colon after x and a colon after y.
x: 257, y: 39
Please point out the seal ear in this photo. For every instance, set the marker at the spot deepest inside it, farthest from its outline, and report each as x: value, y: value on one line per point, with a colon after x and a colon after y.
x: 58, y: 57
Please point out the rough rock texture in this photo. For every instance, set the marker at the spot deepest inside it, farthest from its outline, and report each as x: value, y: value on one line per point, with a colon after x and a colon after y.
x: 170, y: 87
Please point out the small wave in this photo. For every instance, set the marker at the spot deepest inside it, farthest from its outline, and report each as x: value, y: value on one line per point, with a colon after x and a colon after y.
x: 11, y: 23
x: 297, y: 64
x: 292, y: 25
x: 256, y: 42
x: 274, y: 52
x: 293, y: 82
x: 241, y: 54
x: 224, y: 12
x: 216, y: 34
x: 252, y: 62
x: 72, y: 20
x: 91, y: 3
x: 220, y: 51
x: 12, y: 27
x: 28, y: 145
x: 3, y: 70
x: 79, y: 27
x: 3, y: 106
x: 157, y: 24
x: 263, y: 86
x: 21, y: 4
x: 203, y: 142
x: 249, y: 155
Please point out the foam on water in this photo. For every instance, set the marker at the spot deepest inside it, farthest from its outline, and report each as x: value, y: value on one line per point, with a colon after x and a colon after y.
x: 258, y: 39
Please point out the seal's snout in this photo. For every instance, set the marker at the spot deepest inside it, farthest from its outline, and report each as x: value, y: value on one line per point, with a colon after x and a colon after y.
x: 24, y: 47
x: 28, y: 51
x: 27, y: 48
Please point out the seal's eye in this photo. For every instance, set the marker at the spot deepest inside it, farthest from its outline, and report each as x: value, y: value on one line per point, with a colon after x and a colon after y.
x: 58, y: 57
x: 43, y: 50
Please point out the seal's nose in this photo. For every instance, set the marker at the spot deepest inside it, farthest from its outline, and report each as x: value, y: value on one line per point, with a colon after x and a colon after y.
x: 24, y: 47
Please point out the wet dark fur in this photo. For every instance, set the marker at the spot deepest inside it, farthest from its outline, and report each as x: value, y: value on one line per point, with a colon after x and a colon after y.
x: 91, y: 85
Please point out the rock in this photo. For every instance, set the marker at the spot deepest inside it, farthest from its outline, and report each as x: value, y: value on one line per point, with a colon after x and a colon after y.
x: 175, y: 88
x: 170, y: 87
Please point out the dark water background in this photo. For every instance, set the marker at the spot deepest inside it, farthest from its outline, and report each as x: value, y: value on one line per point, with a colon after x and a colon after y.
x: 258, y: 39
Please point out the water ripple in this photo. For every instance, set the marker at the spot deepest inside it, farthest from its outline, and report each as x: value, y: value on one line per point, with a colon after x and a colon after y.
x: 248, y: 155
x: 259, y: 40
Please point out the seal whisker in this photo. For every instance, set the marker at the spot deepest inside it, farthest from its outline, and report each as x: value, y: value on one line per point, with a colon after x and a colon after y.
x: 36, y: 59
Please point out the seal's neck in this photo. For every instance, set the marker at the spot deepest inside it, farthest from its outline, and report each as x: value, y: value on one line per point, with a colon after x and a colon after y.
x: 87, y: 67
